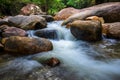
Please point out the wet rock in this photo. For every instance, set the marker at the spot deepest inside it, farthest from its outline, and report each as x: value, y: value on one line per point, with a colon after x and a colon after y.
x: 112, y: 30
x: 31, y: 9
x: 25, y: 45
x: 28, y: 22
x: 109, y: 11
x: 65, y: 13
x: 48, y: 18
x: 86, y: 30
x: 1, y: 47
x: 52, y: 62
x: 2, y: 22
x: 47, y: 33
x: 13, y: 31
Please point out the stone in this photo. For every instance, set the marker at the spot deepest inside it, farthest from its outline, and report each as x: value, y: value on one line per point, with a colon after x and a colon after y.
x: 112, y: 30
x: 65, y: 13
x: 52, y: 62
x: 31, y: 9
x: 25, y: 45
x: 86, y: 30
x: 13, y: 31
x: 1, y: 47
x: 109, y: 11
x: 28, y: 22
x: 47, y: 33
x: 48, y: 18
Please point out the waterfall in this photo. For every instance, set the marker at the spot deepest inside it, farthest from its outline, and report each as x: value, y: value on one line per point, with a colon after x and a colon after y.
x: 73, y: 55
x: 76, y: 56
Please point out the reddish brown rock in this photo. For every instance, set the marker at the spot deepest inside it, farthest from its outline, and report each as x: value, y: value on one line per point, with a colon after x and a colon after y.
x: 86, y: 30
x: 13, y: 31
x: 25, y: 45
x: 112, y: 30
x: 109, y: 11
x: 52, y: 62
x: 31, y: 9
x: 65, y: 13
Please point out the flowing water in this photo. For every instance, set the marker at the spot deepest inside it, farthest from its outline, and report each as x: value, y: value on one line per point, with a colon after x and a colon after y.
x: 78, y: 60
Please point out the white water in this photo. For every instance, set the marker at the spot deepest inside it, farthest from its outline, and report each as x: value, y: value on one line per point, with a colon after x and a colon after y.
x: 73, y: 55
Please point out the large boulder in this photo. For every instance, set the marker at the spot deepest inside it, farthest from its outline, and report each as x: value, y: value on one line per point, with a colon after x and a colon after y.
x: 65, y: 13
x: 109, y: 11
x: 28, y: 22
x: 31, y: 9
x: 26, y: 45
x: 89, y: 30
x: 47, y: 33
x: 112, y: 30
x: 13, y: 31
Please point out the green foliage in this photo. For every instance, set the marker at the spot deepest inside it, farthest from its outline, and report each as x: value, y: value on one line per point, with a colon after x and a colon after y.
x: 80, y: 3
x: 12, y: 7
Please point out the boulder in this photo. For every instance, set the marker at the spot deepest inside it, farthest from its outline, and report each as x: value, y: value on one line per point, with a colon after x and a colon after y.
x: 13, y: 31
x: 112, y: 30
x: 89, y: 30
x: 47, y: 33
x: 31, y: 9
x: 25, y: 45
x: 109, y: 11
x: 65, y: 13
x: 28, y: 22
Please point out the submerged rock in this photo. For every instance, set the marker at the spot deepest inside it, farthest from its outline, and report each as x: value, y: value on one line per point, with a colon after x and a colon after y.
x: 18, y: 69
x: 47, y: 33
x: 26, y: 45
x: 28, y: 22
x: 86, y: 30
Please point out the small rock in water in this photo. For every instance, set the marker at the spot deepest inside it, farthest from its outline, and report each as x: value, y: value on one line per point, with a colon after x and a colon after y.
x: 47, y: 33
x: 52, y: 62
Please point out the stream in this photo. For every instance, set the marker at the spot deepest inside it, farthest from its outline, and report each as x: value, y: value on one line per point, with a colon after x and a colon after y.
x: 80, y: 60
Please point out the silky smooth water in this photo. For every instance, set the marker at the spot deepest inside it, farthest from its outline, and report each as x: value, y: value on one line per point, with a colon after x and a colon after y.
x: 76, y: 56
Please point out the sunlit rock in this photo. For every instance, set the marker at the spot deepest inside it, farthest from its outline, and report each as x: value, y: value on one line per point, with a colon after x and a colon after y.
x: 109, y: 11
x: 65, y: 13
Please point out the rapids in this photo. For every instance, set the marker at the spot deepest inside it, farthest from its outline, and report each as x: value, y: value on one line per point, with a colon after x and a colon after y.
x: 78, y: 59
